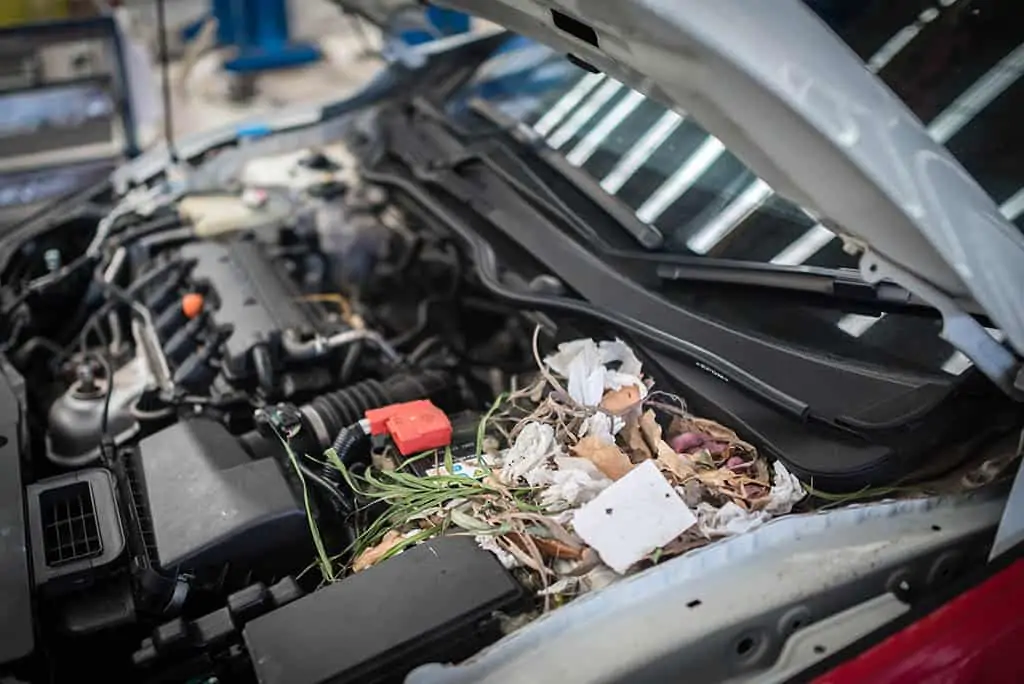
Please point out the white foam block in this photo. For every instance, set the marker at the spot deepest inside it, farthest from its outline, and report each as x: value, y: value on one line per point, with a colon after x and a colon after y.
x: 633, y: 517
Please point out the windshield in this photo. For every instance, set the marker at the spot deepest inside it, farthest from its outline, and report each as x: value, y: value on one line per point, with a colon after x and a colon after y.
x: 956, y: 64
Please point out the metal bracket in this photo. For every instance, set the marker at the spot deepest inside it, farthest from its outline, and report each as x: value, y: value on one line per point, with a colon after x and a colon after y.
x: 1010, y: 532
x: 958, y: 328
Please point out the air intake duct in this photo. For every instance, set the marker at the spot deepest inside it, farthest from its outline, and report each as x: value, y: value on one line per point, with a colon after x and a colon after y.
x: 324, y: 417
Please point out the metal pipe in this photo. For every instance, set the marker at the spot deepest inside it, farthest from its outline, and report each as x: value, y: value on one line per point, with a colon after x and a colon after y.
x: 319, y: 346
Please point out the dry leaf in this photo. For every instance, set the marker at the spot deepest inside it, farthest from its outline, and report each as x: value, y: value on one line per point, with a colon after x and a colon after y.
x: 608, y: 458
x: 672, y: 462
x: 554, y: 528
x: 665, y: 450
x: 549, y: 548
x: 588, y: 561
x: 635, y: 444
x: 650, y: 430
x: 372, y: 555
x: 620, y: 400
x: 688, y: 541
x: 715, y: 432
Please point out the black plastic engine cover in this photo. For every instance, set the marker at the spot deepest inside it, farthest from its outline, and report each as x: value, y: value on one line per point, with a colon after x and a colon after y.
x: 208, y: 503
x: 250, y: 295
x: 432, y: 603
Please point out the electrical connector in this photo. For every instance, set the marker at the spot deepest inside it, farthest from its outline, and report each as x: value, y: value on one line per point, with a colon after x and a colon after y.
x: 414, y: 426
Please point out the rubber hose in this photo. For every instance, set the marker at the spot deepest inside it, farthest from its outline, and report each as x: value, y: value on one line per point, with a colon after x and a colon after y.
x: 329, y: 414
x: 141, y: 230
x: 264, y: 365
x: 339, y: 409
x: 346, y: 441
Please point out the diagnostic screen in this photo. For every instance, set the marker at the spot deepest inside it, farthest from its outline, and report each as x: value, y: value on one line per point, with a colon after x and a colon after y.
x: 56, y: 117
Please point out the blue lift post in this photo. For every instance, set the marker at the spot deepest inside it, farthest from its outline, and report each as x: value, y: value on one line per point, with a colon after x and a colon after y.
x: 259, y: 28
x: 439, y: 23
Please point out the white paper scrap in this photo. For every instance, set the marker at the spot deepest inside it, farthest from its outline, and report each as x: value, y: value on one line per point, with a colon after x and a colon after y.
x: 529, y: 457
x: 585, y: 364
x: 487, y: 542
x: 728, y: 520
x: 786, y: 491
x: 634, y: 516
x: 603, y: 426
x: 576, y: 482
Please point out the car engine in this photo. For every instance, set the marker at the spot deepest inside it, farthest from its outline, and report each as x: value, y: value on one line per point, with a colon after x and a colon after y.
x: 186, y: 358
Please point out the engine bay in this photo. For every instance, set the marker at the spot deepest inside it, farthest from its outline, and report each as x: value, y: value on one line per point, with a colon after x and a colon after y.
x: 277, y: 426
x: 168, y: 346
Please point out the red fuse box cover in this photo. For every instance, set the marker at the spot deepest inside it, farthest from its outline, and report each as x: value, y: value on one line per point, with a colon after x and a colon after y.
x: 414, y: 426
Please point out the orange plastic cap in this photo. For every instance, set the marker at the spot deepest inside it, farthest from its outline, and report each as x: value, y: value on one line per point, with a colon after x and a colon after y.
x: 192, y: 304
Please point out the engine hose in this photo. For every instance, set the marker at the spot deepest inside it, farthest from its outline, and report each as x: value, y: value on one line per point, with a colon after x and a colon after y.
x: 329, y: 414
x: 166, y: 238
x: 318, y: 346
x: 347, y: 440
x: 336, y: 412
x: 264, y: 365
x: 156, y: 224
x: 341, y: 503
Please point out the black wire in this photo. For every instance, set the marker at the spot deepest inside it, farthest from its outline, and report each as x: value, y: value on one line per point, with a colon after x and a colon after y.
x: 422, y: 319
x: 161, y: 29
x: 108, y: 372
x: 134, y: 289
x: 420, y: 352
x: 45, y: 282
x: 342, y: 503
x: 352, y: 357
x: 32, y: 343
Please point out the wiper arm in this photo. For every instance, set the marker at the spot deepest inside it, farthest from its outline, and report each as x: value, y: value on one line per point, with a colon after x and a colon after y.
x: 843, y: 285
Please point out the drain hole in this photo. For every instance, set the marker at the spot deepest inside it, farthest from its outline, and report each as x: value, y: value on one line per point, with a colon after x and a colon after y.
x: 574, y: 27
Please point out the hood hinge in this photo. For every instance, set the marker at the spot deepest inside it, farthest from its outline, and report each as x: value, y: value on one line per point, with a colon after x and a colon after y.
x: 959, y: 328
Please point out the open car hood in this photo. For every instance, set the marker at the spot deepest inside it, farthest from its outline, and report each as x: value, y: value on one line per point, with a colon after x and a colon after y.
x: 788, y: 97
